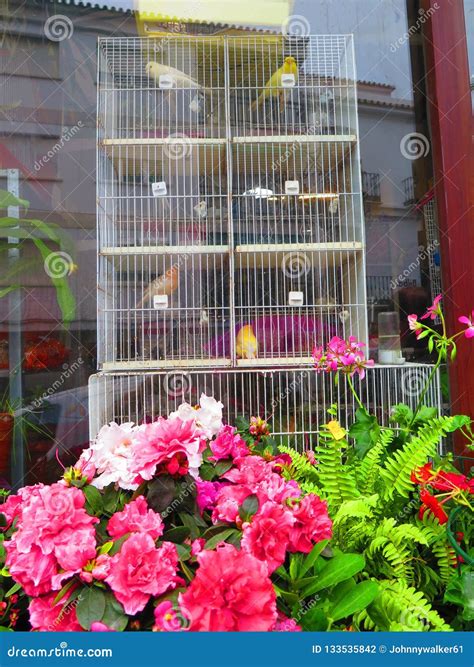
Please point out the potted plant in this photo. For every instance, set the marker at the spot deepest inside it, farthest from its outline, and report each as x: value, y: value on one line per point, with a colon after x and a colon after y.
x: 55, y: 254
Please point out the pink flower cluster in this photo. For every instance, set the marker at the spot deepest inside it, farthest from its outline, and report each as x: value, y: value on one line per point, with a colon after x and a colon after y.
x: 345, y: 355
x: 128, y: 454
x: 56, y: 543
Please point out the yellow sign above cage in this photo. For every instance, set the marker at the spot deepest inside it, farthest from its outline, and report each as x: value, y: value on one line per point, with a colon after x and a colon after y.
x: 268, y: 13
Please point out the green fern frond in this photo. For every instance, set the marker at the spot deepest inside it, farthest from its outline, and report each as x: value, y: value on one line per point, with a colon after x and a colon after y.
x: 439, y: 544
x: 397, y: 470
x: 368, y: 472
x: 336, y: 479
x: 301, y: 469
x: 399, y: 607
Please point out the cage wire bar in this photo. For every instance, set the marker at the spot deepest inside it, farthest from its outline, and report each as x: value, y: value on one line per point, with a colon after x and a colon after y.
x: 230, y: 226
x: 294, y: 401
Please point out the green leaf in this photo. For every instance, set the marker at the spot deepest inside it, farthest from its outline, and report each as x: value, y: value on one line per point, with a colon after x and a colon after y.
x: 190, y: 523
x: 338, y: 569
x: 312, y: 557
x: 117, y: 545
x: 14, y: 589
x: 176, y: 535
x: 91, y: 606
x: 114, y: 616
x: 357, y: 599
x: 7, y: 199
x: 295, y: 563
x: 220, y: 537
x: 365, y: 431
x: 184, y: 551
x: 222, y: 467
x: 94, y: 504
x: 106, y: 547
x: 64, y: 590
x: 249, y: 507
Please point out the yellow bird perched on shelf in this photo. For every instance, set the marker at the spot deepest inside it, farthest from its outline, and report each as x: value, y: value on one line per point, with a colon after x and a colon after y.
x: 273, y: 87
x: 165, y: 284
x: 246, y: 343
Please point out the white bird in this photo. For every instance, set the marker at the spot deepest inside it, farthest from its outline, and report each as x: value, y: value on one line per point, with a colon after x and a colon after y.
x: 201, y: 210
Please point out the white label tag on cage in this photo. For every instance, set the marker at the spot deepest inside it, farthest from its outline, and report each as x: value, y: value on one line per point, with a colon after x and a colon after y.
x: 292, y: 187
x: 288, y: 80
x: 295, y: 298
x: 166, y: 81
x: 159, y: 189
x: 160, y: 301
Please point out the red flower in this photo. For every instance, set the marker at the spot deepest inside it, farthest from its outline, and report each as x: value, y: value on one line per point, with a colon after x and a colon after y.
x: 432, y: 503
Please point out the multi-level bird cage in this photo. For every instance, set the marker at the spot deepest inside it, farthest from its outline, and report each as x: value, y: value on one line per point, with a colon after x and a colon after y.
x: 229, y: 201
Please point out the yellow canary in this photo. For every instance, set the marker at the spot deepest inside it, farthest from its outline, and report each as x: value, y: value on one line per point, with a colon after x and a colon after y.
x: 246, y: 344
x: 164, y: 284
x: 273, y: 87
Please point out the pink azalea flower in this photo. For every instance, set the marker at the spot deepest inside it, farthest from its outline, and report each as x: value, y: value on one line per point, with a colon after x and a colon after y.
x: 197, y: 546
x: 97, y: 626
x: 135, y: 517
x: 231, y: 592
x: 49, y: 617
x: 312, y: 524
x: 285, y: 624
x: 434, y: 310
x: 228, y: 444
x: 158, y: 442
x: 74, y: 547
x: 267, y: 536
x: 168, y: 618
x: 207, y: 494
x: 34, y: 570
x: 141, y: 570
x: 469, y: 332
x: 207, y: 417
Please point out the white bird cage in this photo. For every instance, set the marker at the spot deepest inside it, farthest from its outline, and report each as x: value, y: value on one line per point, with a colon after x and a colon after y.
x: 222, y: 206
x: 230, y: 230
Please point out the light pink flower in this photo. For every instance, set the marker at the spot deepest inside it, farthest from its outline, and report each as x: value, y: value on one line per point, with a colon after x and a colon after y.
x: 49, y: 617
x: 434, y: 310
x: 197, y: 546
x: 85, y: 465
x: 231, y: 592
x: 159, y: 441
x: 141, y: 570
x: 268, y: 534
x: 469, y: 321
x: 414, y: 325
x: 207, y: 416
x: 135, y: 517
x: 112, y: 456
x: 312, y: 524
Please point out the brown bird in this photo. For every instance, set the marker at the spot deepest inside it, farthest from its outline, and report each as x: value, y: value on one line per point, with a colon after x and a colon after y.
x: 165, y: 284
